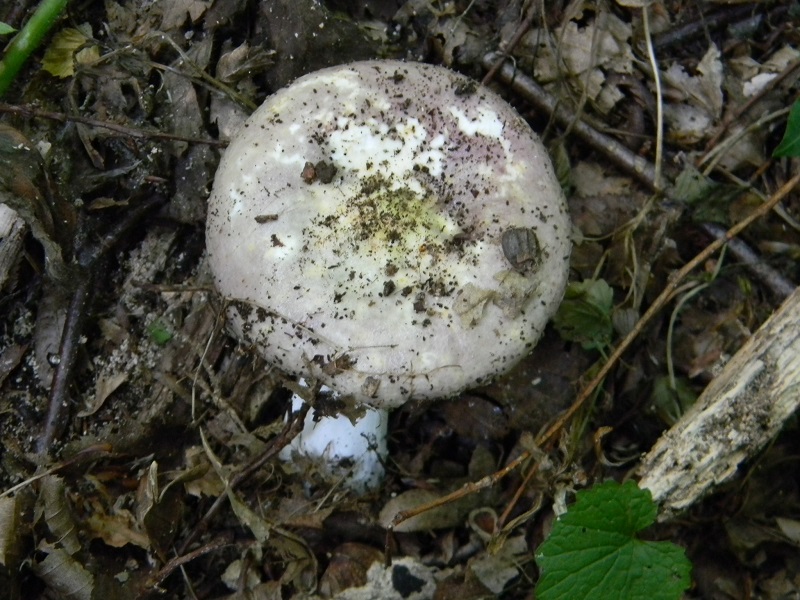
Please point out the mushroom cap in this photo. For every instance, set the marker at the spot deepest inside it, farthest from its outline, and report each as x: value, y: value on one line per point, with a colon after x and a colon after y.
x: 391, y: 229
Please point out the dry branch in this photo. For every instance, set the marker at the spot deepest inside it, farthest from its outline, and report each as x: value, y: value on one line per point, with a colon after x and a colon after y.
x: 739, y: 412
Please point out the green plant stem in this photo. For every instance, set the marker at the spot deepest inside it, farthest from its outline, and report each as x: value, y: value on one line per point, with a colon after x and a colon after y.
x: 28, y: 39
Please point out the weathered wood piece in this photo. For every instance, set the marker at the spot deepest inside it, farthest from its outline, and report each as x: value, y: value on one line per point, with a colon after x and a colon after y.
x: 739, y: 412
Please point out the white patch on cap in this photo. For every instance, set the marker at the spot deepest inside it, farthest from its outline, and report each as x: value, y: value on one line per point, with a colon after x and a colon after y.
x: 487, y: 123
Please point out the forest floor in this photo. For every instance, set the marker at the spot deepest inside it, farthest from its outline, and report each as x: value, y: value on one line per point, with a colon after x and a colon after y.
x: 138, y: 439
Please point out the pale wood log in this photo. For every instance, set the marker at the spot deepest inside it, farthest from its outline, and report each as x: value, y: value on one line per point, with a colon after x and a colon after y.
x: 12, y: 234
x: 739, y: 412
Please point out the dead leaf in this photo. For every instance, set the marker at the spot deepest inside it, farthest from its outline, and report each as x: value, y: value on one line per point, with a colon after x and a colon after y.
x: 104, y: 387
x: 348, y: 568
x: 58, y: 513
x: 704, y: 90
x: 117, y: 530
x: 495, y: 571
x: 24, y: 188
x: 449, y: 515
x: 176, y: 12
x: 64, y: 575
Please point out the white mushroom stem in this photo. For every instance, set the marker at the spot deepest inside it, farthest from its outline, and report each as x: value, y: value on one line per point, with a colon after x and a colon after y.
x: 340, y: 450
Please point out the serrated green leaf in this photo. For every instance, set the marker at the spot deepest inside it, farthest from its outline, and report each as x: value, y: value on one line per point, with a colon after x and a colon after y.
x: 790, y: 144
x: 592, y: 551
x: 585, y: 314
x: 5, y: 28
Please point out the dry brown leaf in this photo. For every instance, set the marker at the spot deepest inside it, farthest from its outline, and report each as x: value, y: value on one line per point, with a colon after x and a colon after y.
x: 348, y: 568
x: 64, y: 575
x: 105, y: 385
x: 58, y: 513
x: 177, y: 11
x: 449, y: 515
x: 117, y: 530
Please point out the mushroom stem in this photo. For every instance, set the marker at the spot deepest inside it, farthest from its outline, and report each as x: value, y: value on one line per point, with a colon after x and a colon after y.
x: 352, y: 452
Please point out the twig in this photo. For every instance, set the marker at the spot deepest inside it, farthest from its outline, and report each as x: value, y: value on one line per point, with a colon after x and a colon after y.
x: 28, y: 111
x: 727, y: 15
x: 55, y: 422
x: 771, y: 278
x: 92, y: 453
x: 167, y: 570
x: 500, y: 57
x: 543, y: 101
x: 87, y: 261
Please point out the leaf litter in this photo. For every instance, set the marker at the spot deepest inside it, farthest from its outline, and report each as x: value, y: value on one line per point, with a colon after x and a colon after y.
x: 193, y: 69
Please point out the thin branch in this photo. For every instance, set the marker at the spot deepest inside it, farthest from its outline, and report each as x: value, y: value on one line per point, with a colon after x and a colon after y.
x: 150, y: 134
x: 542, y: 100
x: 155, y: 580
x: 500, y: 57
x: 773, y: 279
x: 87, y: 261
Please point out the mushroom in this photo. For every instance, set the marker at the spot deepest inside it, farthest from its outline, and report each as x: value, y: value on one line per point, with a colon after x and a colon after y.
x: 391, y: 230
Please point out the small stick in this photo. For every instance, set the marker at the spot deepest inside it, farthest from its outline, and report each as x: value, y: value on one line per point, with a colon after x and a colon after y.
x: 773, y: 279
x: 542, y: 100
x: 87, y: 259
x: 155, y: 580
x: 27, y: 111
x: 500, y: 57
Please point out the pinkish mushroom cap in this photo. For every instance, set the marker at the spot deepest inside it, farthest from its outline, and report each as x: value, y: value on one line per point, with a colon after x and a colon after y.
x: 393, y: 230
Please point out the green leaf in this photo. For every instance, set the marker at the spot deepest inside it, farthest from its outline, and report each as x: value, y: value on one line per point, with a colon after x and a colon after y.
x: 592, y: 551
x: 708, y: 200
x: 790, y: 144
x: 5, y: 28
x: 585, y: 314
x: 670, y: 403
x: 159, y: 333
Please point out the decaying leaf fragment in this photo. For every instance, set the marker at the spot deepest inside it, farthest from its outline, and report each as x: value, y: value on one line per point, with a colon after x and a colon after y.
x: 58, y: 513
x: 64, y: 575
x: 24, y: 188
x: 9, y: 532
